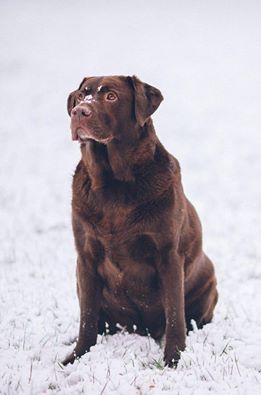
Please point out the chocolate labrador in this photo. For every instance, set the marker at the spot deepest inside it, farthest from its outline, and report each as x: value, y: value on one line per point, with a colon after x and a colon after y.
x: 140, y: 261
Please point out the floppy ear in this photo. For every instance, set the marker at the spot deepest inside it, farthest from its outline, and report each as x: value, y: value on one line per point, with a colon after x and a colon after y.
x: 72, y: 99
x: 147, y: 100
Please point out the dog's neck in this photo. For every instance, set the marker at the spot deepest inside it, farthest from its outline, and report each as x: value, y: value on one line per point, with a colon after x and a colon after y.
x: 124, y: 156
x: 119, y: 157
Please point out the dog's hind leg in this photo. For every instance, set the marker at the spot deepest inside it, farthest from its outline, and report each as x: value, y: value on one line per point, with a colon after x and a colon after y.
x: 201, y: 309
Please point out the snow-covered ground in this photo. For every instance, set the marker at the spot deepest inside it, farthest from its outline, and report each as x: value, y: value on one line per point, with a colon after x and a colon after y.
x: 205, y: 56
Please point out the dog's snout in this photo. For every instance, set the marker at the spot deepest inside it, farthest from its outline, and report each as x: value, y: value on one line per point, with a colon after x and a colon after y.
x: 81, y: 111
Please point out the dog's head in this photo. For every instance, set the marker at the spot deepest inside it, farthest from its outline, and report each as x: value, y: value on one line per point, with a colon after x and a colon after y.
x: 106, y: 108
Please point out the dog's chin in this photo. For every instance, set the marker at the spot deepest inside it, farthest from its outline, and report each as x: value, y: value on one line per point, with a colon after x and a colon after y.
x: 84, y: 140
x: 83, y: 136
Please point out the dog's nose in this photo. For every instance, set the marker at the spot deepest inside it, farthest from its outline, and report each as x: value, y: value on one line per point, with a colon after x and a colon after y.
x: 81, y: 111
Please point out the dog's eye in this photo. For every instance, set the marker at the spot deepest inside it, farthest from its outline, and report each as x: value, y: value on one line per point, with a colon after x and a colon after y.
x: 111, y: 96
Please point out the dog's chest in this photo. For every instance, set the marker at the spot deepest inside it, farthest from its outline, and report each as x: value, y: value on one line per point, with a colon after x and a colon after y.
x: 113, y: 219
x: 105, y: 215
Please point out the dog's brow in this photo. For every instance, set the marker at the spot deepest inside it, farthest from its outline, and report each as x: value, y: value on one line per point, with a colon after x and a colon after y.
x: 103, y: 88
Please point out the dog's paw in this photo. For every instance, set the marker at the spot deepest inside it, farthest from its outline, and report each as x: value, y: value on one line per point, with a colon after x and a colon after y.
x: 171, y: 358
x: 70, y: 358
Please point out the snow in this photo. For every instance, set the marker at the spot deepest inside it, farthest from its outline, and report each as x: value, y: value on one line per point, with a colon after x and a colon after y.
x: 88, y: 98
x: 206, y: 59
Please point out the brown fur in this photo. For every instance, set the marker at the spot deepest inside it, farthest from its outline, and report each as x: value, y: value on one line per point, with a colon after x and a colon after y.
x: 139, y: 241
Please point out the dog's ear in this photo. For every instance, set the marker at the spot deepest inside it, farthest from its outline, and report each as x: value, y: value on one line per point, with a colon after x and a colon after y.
x: 147, y: 100
x: 71, y: 101
x: 72, y: 98
x: 83, y: 82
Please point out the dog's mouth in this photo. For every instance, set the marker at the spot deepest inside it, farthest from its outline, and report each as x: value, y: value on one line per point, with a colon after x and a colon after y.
x: 84, y: 135
x: 84, y: 139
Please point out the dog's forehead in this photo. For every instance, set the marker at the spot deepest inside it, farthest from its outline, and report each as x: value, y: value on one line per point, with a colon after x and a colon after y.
x: 95, y: 84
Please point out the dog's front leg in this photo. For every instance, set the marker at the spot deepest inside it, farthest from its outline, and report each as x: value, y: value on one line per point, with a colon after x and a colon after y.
x: 89, y: 293
x: 172, y: 278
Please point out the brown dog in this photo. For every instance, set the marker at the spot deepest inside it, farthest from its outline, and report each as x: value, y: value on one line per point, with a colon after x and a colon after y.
x: 140, y: 260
